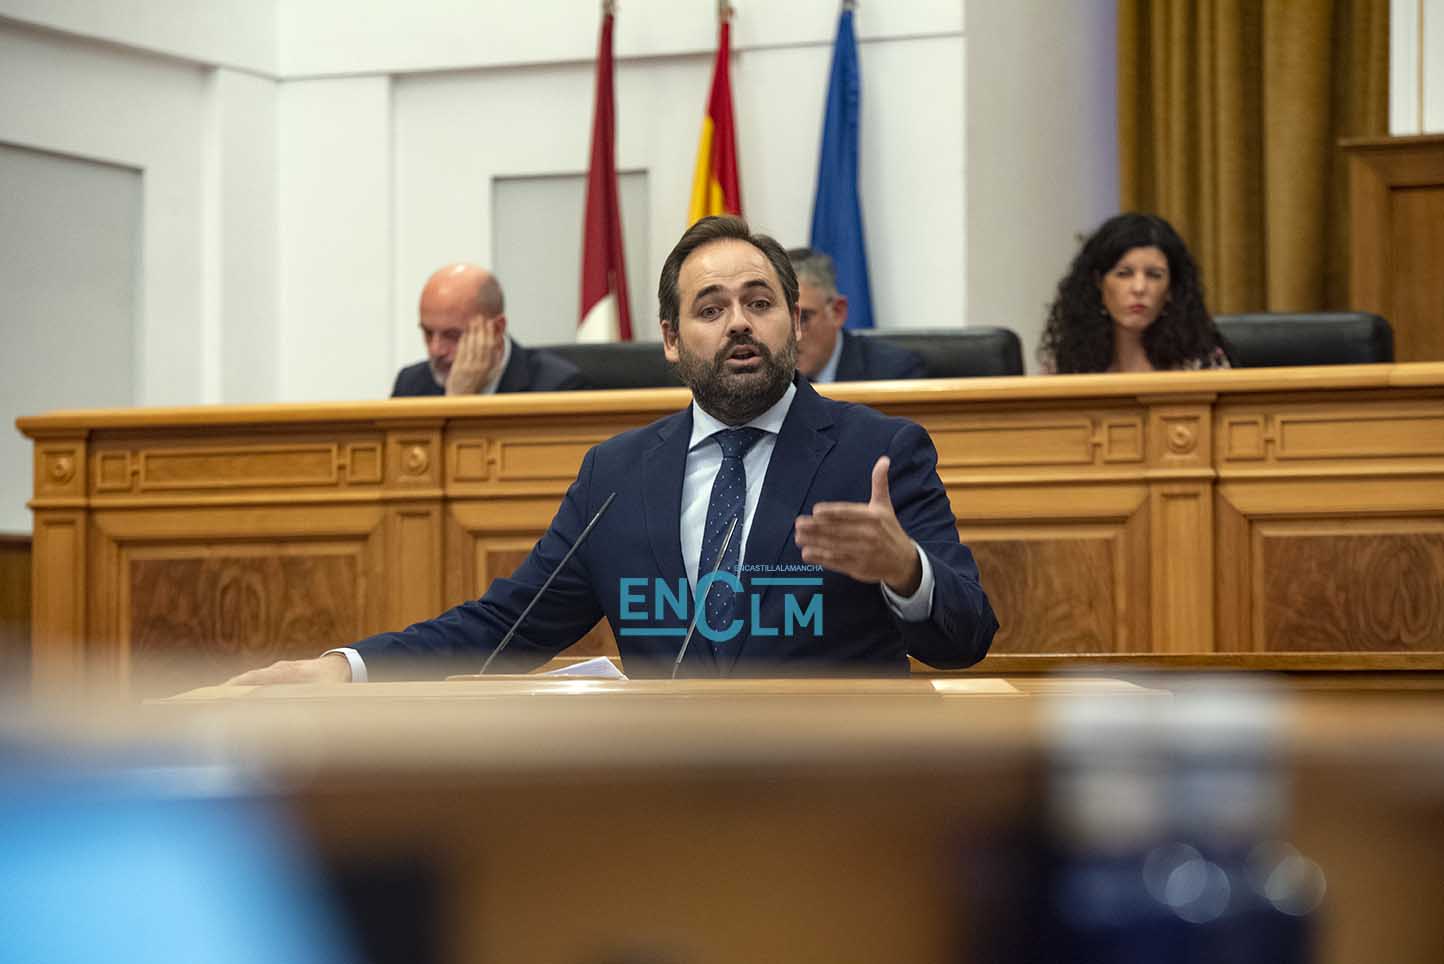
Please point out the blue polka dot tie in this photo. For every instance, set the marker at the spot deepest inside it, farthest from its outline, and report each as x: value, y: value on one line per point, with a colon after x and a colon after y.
x: 729, y: 499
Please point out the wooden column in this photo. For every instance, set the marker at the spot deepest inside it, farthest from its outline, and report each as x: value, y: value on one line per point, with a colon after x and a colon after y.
x: 1396, y: 238
x: 1180, y: 476
x: 60, y: 579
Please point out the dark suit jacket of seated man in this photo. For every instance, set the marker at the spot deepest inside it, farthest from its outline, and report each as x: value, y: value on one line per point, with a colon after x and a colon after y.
x: 528, y: 370
x: 872, y: 359
x: 828, y: 352
x: 843, y: 552
x: 462, y: 317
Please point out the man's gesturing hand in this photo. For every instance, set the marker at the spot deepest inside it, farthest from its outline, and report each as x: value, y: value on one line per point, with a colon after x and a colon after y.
x: 862, y: 539
x: 331, y: 668
x: 478, y: 356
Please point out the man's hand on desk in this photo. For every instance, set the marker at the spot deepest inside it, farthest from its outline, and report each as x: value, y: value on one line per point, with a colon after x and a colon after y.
x: 863, y: 540
x: 331, y: 668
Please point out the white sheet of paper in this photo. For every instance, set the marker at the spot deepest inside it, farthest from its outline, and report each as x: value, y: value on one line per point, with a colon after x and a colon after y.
x: 598, y: 667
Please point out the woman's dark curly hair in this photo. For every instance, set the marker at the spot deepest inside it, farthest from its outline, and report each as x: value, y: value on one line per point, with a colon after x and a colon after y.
x: 1079, y: 334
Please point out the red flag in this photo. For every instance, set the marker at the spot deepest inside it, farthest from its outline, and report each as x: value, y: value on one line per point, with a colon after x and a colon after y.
x: 716, y: 188
x: 605, y: 314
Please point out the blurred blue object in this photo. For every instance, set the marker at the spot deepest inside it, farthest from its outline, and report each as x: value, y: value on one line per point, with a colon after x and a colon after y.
x: 158, y: 865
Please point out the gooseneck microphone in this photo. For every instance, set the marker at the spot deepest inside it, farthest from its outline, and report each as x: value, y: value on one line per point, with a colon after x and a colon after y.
x: 546, y: 585
x: 697, y: 605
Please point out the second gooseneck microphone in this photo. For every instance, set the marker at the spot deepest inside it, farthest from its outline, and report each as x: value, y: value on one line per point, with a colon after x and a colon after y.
x: 505, y: 640
x: 697, y: 605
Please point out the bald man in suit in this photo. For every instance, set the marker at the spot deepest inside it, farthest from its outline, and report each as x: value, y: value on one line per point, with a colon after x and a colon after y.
x: 463, y: 323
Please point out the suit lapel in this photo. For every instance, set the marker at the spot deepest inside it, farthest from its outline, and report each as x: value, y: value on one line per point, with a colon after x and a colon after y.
x: 515, y: 377
x: 850, y: 364
x: 663, y: 466
x: 803, y: 443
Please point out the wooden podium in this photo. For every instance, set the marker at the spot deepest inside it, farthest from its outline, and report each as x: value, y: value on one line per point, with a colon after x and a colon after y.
x: 1294, y: 514
x: 718, y: 821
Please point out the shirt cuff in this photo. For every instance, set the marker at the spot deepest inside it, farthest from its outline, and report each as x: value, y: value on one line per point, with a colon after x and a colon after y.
x: 919, y: 606
x: 358, y: 667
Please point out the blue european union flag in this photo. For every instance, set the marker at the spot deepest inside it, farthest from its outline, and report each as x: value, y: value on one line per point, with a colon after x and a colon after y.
x: 836, y: 207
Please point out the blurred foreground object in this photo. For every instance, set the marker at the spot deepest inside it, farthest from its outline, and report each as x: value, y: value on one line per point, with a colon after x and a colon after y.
x: 584, y: 821
x: 152, y: 864
x: 1165, y: 832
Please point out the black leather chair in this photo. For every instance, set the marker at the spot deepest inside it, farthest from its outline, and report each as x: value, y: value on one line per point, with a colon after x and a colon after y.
x: 1268, y: 340
x: 970, y: 352
x: 634, y: 364
x: 946, y: 353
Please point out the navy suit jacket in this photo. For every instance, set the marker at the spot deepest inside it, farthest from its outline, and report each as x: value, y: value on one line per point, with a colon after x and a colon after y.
x: 869, y: 359
x: 528, y: 370
x: 824, y: 452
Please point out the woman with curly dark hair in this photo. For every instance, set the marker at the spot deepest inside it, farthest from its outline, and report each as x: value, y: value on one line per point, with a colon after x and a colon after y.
x: 1131, y: 302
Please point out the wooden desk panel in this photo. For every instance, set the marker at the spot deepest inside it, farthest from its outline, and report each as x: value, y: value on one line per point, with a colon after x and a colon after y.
x: 1282, y: 511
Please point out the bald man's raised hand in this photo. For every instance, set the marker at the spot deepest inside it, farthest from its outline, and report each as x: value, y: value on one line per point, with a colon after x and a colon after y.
x: 863, y: 540
x: 478, y: 356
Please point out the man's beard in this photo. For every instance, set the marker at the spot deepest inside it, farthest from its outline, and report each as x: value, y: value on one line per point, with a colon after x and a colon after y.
x: 737, y: 397
x: 437, y: 374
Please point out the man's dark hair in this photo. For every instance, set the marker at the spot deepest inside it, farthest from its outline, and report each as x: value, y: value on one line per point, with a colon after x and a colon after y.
x: 720, y: 228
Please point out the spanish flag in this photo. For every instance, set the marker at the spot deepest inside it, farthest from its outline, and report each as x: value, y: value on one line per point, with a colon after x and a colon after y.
x: 715, y: 187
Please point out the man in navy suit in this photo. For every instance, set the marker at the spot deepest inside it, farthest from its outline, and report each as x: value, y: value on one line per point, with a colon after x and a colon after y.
x: 463, y: 323
x: 827, y: 351
x: 847, y: 557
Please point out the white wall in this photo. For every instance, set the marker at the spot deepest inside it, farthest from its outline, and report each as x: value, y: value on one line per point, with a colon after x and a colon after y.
x: 232, y: 33
x: 521, y: 106
x: 1042, y: 128
x: 1416, y: 67
x: 243, y: 320
x: 348, y: 37
x: 68, y: 231
x: 305, y: 163
x: 336, y: 248
x: 116, y: 106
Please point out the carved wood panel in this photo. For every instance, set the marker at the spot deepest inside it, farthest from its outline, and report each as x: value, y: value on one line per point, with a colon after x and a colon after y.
x: 496, y: 558
x: 1265, y: 438
x: 195, y: 616
x: 204, y: 465
x: 1062, y: 592
x: 1372, y: 587
x: 1042, y: 442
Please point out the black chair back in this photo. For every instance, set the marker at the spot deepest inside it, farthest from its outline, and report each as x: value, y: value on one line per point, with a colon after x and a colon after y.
x: 946, y: 352
x: 1269, y: 340
x: 971, y: 352
x: 634, y: 364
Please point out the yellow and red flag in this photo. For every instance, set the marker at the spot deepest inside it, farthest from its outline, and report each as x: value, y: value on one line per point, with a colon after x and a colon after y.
x: 715, y: 186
